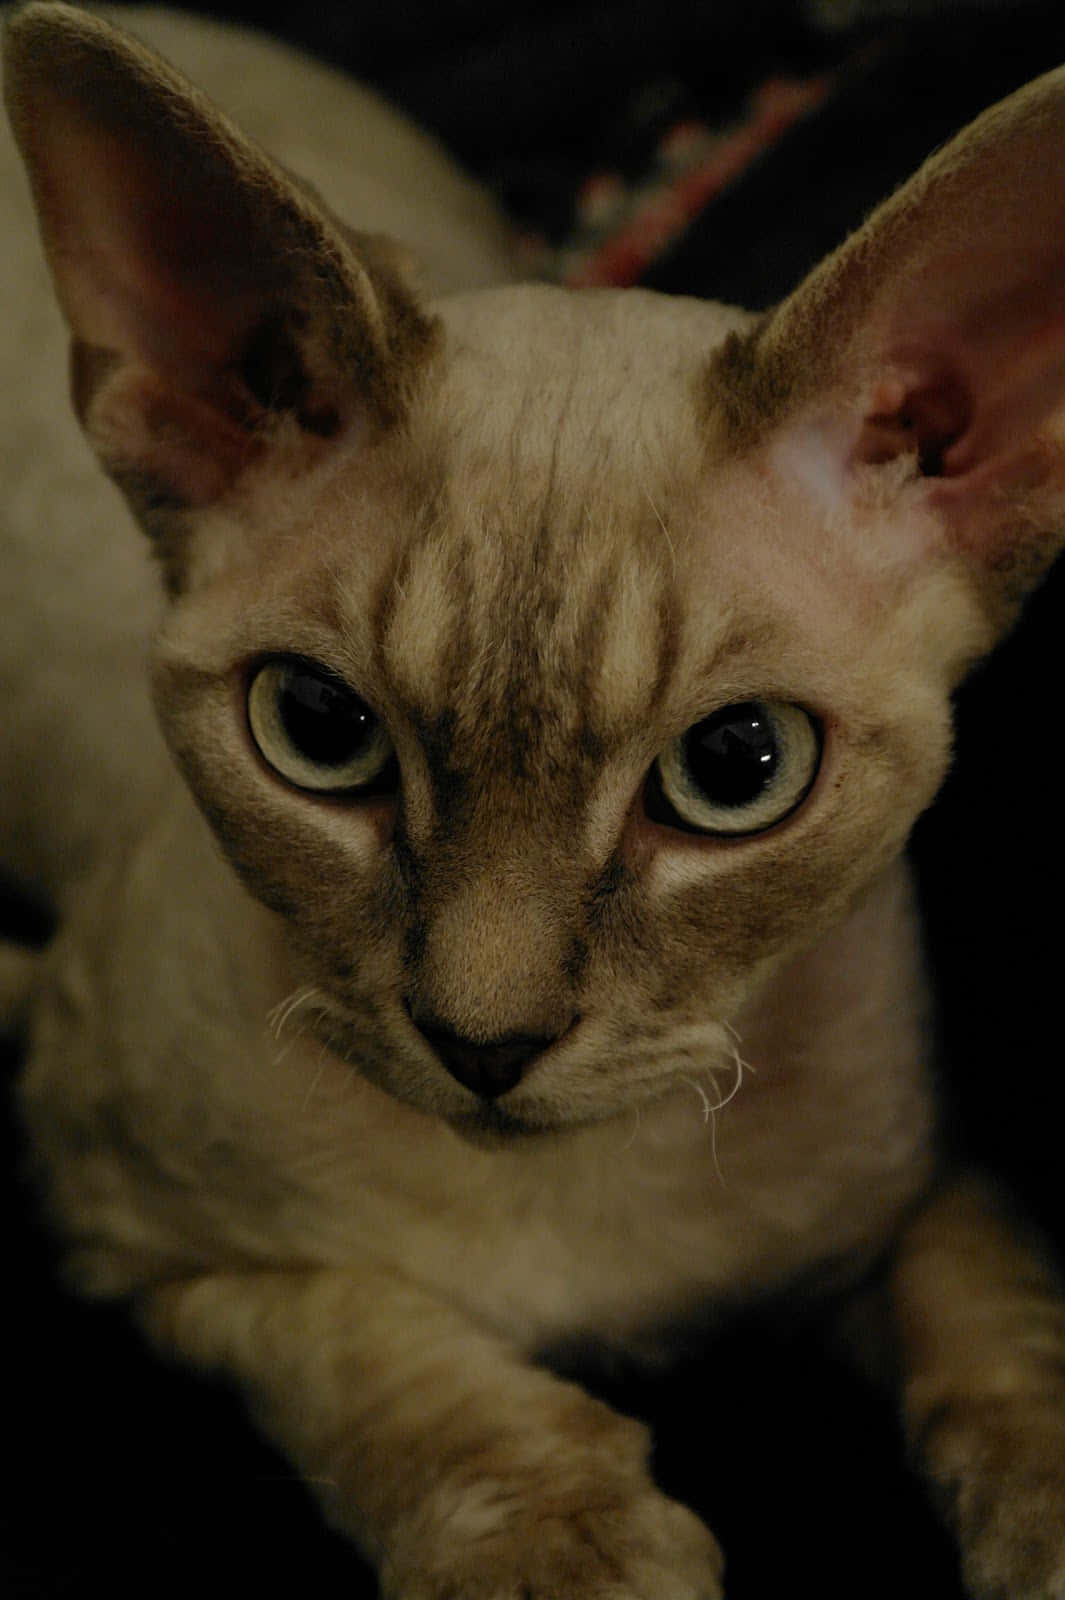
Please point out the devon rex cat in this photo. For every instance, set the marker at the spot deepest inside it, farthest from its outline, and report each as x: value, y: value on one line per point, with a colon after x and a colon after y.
x: 561, y: 675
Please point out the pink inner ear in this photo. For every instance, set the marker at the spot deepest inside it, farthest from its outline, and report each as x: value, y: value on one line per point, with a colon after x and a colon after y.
x: 974, y: 399
x: 930, y: 417
x: 151, y: 261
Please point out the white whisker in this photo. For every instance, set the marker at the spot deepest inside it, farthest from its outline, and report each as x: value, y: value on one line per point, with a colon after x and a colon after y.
x: 279, y: 1016
x: 316, y: 1080
x: 665, y: 531
x: 637, y: 1123
x: 708, y: 1109
x: 281, y: 1055
x: 711, y: 1108
x: 312, y: 1086
x: 741, y: 1067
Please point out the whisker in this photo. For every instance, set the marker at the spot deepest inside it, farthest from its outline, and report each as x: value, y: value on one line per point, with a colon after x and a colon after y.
x: 637, y: 1123
x: 279, y: 1016
x: 708, y: 1109
x: 712, y: 1108
x: 741, y: 1067
x: 737, y: 1040
x: 665, y: 531
x: 316, y: 1080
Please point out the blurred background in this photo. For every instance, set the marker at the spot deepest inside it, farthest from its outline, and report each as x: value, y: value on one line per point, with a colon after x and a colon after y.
x: 717, y: 148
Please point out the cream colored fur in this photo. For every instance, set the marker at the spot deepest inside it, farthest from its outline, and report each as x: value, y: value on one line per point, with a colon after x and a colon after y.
x: 542, y: 535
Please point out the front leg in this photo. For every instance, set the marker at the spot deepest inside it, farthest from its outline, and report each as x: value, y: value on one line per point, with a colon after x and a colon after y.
x: 982, y: 1326
x: 462, y: 1472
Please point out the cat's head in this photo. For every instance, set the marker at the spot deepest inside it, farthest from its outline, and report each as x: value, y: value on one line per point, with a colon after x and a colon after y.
x: 554, y: 665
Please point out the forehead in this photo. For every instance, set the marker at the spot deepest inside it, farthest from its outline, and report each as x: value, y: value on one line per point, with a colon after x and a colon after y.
x: 541, y: 568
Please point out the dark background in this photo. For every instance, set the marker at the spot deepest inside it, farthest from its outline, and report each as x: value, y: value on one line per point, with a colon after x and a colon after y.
x: 125, y: 1475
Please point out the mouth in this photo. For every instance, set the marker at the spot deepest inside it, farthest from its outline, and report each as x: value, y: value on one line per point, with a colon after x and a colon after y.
x: 490, y: 1125
x: 479, y: 1120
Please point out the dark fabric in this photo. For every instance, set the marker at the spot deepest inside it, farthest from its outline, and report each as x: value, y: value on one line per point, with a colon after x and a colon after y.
x: 125, y: 1475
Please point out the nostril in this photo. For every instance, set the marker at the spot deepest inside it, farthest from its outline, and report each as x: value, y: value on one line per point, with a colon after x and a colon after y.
x: 488, y: 1069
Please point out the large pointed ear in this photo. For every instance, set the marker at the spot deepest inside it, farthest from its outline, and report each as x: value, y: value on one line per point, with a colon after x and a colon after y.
x: 936, y: 336
x: 215, y: 305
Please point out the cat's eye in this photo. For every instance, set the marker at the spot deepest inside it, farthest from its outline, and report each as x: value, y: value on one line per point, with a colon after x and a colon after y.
x: 316, y: 732
x: 739, y: 771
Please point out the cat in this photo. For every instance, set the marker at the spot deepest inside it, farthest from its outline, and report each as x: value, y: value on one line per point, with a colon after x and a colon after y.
x: 529, y: 953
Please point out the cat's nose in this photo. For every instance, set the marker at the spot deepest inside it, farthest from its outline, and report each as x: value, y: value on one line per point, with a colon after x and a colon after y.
x: 488, y: 1069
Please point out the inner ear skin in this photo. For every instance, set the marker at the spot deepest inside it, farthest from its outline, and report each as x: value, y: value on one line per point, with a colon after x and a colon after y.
x: 928, y: 417
x: 273, y: 369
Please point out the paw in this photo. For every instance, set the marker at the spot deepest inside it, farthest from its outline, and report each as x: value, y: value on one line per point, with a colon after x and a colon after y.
x: 600, y: 1545
x: 1002, y: 1467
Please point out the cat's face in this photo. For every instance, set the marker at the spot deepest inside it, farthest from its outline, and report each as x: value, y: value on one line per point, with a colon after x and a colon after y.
x: 493, y: 632
x: 556, y: 666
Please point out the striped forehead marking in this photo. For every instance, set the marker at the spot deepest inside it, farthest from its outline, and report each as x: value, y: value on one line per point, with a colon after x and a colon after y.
x: 537, y: 644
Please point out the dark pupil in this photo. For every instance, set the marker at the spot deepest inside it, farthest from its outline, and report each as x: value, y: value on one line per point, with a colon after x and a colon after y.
x: 733, y: 755
x: 324, y: 720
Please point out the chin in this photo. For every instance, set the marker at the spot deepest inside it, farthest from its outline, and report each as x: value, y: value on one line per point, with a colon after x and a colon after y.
x: 491, y: 1126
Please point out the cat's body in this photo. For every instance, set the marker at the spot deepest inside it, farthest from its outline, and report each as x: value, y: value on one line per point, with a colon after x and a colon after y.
x: 507, y: 1055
